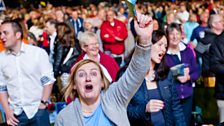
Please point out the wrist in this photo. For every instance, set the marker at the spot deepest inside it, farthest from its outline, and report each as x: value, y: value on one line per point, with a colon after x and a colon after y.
x: 144, y: 42
x: 44, y: 102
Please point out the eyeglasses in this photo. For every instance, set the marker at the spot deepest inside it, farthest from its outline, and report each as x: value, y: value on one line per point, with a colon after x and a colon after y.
x: 91, y: 44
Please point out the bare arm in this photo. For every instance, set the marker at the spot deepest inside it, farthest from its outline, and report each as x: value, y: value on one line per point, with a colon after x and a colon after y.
x: 10, y: 118
x: 46, y: 94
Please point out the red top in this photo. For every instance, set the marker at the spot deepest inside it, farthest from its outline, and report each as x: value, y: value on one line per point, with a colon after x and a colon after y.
x: 118, y: 30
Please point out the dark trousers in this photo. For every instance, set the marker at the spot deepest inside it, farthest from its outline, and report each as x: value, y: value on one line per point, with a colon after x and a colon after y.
x: 187, y: 107
x: 41, y: 118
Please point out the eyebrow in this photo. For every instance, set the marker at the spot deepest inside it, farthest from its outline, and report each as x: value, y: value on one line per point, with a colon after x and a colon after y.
x: 90, y: 69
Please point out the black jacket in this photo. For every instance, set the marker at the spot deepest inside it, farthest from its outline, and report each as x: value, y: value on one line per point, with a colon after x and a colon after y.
x: 217, y: 65
x: 61, y: 52
x: 207, y: 41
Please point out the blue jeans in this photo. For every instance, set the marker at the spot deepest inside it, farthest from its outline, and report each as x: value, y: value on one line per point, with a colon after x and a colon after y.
x: 41, y: 118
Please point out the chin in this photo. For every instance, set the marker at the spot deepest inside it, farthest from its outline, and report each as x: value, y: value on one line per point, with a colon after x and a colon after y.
x: 158, y: 62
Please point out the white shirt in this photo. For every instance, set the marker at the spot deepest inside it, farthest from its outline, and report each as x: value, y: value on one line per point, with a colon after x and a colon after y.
x: 181, y: 47
x: 23, y: 77
x: 36, y: 31
x: 52, y: 41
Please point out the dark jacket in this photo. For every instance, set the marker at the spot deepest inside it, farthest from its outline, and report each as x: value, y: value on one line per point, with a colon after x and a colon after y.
x: 217, y: 65
x: 206, y: 43
x: 172, y: 112
x: 61, y: 52
x: 76, y: 25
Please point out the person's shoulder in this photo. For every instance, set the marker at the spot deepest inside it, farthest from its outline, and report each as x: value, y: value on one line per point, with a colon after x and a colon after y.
x: 188, y: 51
x: 35, y: 49
x: 197, y: 28
x: 118, y: 22
x: 219, y: 40
x: 105, y: 56
x: 220, y: 37
x: 65, y: 111
x: 2, y: 54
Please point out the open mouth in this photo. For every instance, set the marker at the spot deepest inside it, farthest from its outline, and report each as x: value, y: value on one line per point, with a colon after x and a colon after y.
x: 89, y: 87
x: 161, y: 55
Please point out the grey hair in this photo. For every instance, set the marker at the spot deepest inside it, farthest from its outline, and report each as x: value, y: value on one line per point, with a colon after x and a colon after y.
x: 85, y: 37
x: 211, y: 19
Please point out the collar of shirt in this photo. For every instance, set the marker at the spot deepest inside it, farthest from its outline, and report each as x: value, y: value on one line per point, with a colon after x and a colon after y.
x: 53, y: 36
x: 22, y: 50
x: 181, y: 46
x: 86, y: 57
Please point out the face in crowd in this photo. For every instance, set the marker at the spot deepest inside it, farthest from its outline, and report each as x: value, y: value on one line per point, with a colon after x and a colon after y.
x: 89, y: 44
x: 87, y: 81
x: 174, y: 34
x: 159, y: 47
x: 110, y: 16
x: 10, y: 35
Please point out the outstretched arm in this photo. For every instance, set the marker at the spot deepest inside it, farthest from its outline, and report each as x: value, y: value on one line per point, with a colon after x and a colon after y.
x: 128, y: 84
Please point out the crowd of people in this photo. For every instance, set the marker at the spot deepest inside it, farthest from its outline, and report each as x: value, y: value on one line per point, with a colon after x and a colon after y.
x: 109, y: 67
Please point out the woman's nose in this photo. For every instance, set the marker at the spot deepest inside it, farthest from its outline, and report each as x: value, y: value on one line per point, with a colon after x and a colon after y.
x: 163, y: 48
x: 88, y: 78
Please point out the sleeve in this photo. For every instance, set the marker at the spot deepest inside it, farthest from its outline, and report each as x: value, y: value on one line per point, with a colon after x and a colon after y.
x: 123, y: 33
x: 193, y: 35
x: 177, y: 108
x: 136, y: 109
x: 105, y: 30
x: 121, y: 92
x: 46, y: 69
x: 58, y: 121
x: 58, y: 60
x: 217, y: 57
x: 194, y: 73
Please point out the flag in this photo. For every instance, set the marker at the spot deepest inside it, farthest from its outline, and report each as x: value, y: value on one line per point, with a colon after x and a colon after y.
x: 2, y: 5
x: 131, y: 6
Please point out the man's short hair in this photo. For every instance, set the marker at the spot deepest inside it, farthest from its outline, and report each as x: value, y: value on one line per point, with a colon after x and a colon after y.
x: 52, y: 21
x: 15, y: 25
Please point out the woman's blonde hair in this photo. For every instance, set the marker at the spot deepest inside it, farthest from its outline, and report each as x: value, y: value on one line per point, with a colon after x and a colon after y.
x: 70, y: 92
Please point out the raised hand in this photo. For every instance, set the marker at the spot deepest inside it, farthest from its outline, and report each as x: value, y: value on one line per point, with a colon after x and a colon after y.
x: 144, y: 28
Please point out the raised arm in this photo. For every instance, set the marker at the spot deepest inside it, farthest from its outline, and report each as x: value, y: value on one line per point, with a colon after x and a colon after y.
x: 123, y: 90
